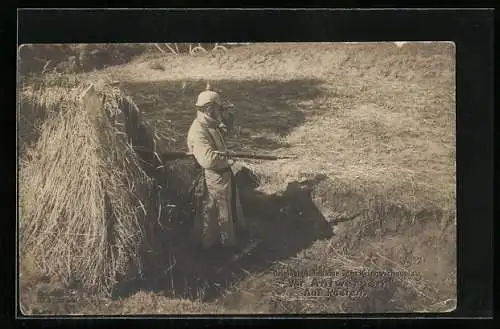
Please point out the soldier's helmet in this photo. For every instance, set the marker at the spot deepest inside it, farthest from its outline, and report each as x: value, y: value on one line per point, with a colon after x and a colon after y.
x: 208, y: 96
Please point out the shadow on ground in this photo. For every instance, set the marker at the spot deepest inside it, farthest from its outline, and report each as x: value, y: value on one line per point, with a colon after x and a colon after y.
x: 285, y: 223
x: 262, y: 108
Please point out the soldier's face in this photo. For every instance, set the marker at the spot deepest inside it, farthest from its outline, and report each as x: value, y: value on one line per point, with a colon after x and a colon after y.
x: 217, y: 112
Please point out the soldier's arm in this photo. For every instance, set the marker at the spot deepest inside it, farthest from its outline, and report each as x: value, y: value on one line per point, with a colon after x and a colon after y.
x: 207, y: 157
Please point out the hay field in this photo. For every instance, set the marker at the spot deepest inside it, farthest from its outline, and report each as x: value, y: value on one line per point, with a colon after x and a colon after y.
x: 372, y: 191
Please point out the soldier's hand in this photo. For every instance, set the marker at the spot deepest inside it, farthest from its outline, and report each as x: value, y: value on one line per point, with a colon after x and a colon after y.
x: 222, y: 153
x: 223, y: 128
x: 230, y: 162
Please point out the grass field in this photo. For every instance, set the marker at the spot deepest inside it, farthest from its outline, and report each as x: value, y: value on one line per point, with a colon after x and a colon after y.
x: 372, y: 189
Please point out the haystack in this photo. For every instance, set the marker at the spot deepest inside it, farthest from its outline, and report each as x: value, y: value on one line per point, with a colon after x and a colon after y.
x: 88, y: 201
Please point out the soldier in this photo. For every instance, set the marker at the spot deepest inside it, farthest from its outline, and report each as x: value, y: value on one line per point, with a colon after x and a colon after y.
x: 218, y: 210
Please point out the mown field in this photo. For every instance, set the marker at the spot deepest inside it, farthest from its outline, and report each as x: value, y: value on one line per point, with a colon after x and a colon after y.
x: 372, y: 189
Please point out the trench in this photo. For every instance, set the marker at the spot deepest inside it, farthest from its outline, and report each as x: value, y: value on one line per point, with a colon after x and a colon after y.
x: 291, y: 224
x: 378, y: 236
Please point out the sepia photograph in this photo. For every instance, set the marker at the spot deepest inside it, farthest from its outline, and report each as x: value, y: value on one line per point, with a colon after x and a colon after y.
x: 236, y: 178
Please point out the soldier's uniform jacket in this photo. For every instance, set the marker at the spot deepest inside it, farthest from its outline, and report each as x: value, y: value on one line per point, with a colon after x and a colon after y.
x: 219, y: 213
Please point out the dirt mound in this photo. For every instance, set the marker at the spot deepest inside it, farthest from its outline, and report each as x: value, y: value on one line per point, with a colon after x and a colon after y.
x: 378, y: 61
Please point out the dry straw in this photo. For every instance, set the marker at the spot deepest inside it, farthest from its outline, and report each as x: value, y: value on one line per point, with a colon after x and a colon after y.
x: 84, y: 197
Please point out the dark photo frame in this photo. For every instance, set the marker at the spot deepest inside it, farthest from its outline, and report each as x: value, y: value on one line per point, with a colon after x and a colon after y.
x: 471, y: 31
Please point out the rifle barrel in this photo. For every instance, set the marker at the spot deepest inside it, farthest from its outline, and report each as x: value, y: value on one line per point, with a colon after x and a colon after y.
x: 174, y: 155
x: 257, y: 156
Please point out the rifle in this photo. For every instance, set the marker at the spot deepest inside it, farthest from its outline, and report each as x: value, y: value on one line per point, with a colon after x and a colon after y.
x: 242, y: 155
x: 256, y: 156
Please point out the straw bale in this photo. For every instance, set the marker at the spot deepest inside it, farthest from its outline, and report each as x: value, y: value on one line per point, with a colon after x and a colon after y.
x: 87, y: 202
